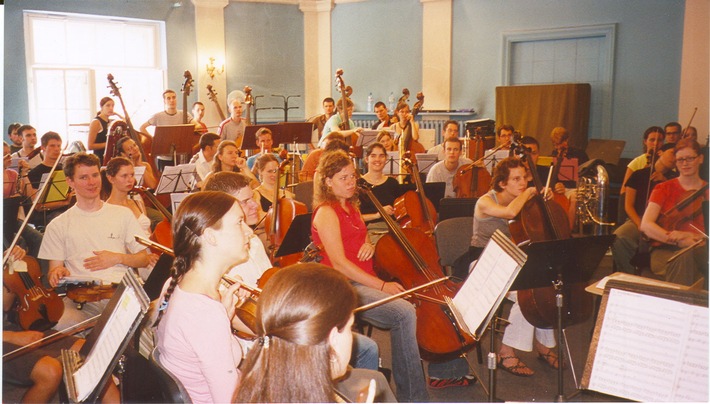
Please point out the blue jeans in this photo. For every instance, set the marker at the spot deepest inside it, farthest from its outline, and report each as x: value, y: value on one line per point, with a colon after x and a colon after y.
x: 400, y: 318
x: 365, y: 355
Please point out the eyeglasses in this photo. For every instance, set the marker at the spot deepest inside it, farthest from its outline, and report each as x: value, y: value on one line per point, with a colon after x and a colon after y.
x: 685, y: 160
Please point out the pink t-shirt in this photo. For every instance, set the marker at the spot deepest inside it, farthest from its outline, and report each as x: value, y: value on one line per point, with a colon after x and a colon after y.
x: 196, y: 344
x: 9, y: 187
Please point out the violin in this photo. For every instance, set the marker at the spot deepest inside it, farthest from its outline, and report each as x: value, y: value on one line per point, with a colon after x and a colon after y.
x: 186, y: 89
x: 212, y: 95
x: 413, y: 208
x: 83, y: 293
x: 472, y: 181
x: 688, y: 208
x: 409, y: 256
x: 279, y: 218
x: 543, y: 220
x: 38, y: 309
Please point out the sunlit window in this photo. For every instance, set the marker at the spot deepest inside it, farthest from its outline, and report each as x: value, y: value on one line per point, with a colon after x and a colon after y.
x: 69, y: 57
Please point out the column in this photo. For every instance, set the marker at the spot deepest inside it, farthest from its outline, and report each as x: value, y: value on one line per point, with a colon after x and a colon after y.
x: 317, y: 53
x: 436, y: 53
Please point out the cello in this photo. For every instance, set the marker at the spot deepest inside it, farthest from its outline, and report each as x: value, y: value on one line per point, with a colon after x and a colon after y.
x: 545, y: 220
x: 414, y: 209
x: 409, y: 257
x: 472, y: 181
x: 279, y: 218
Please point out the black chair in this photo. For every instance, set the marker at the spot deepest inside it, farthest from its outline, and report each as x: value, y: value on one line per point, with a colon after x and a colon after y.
x: 170, y: 387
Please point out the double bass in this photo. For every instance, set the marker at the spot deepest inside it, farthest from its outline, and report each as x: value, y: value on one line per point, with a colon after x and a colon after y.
x: 409, y: 256
x: 407, y: 143
x: 545, y: 220
x: 119, y: 128
x: 186, y: 89
x: 212, y: 95
x: 472, y: 181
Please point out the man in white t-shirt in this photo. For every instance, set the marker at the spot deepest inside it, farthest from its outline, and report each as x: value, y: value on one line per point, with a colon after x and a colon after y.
x: 445, y: 170
x: 233, y: 127
x: 169, y: 116
x: 91, y: 239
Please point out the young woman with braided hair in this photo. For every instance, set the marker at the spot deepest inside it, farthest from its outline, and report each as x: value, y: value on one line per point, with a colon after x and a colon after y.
x: 193, y: 325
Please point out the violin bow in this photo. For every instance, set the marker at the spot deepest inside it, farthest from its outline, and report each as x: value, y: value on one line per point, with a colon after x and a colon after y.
x: 76, y: 328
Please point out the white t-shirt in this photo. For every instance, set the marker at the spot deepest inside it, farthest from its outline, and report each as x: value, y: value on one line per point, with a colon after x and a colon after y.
x: 439, y: 173
x: 76, y: 234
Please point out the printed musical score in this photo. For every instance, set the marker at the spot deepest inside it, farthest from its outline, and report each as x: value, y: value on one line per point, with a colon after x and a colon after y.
x: 651, y: 349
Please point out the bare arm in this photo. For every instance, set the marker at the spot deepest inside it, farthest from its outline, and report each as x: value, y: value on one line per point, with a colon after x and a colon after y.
x: 626, y: 177
x: 149, y: 178
x: 487, y: 207
x: 105, y: 259
x: 326, y: 222
x: 629, y: 202
x: 656, y: 232
x: 57, y: 271
x: 144, y: 128
x: 94, y: 129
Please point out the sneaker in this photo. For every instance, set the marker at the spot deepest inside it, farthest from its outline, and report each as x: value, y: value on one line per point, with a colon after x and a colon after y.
x: 467, y: 380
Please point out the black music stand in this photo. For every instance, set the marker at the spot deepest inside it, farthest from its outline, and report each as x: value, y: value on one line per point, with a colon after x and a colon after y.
x: 297, y: 237
x: 281, y: 133
x: 550, y: 263
x: 173, y: 139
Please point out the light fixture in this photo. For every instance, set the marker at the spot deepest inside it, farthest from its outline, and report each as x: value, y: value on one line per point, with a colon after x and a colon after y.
x: 212, y: 69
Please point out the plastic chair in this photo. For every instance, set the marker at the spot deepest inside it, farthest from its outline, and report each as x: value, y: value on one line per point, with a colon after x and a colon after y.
x: 453, y: 237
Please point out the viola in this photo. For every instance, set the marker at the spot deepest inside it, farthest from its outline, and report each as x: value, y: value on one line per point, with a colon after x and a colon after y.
x: 143, y: 141
x: 687, y: 209
x: 543, y: 220
x: 409, y: 256
x: 38, y: 309
x: 213, y: 97
x: 279, y: 218
x: 472, y: 181
x: 413, y: 208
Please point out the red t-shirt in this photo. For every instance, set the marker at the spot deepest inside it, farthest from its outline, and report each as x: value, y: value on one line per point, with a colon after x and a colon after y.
x: 668, y: 194
x: 353, y: 233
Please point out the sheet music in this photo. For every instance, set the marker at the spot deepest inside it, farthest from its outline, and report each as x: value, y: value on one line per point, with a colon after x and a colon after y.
x: 88, y: 376
x: 138, y: 172
x: 651, y: 349
x: 179, y: 178
x: 490, y: 279
x: 492, y: 160
x: 176, y: 198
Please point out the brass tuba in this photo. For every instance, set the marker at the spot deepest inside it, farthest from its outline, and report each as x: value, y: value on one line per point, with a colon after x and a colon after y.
x: 593, y: 200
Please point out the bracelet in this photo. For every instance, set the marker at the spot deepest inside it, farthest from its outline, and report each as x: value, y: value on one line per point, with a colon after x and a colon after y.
x: 383, y: 286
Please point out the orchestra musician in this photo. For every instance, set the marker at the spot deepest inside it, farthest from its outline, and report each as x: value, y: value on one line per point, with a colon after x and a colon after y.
x: 128, y: 148
x: 98, y: 128
x: 385, y: 137
x: 120, y: 175
x: 652, y: 140
x: 673, y: 132
x: 445, y: 170
x: 404, y: 116
x: 503, y: 202
x: 14, y: 183
x: 51, y: 144
x: 304, y: 328
x: 385, y: 188
x: 29, y: 140
x: 684, y: 228
x: 198, y: 112
x: 384, y: 120
x: 233, y: 127
x: 265, y: 141
x: 228, y: 158
x: 336, y: 121
x: 339, y: 230
x: 451, y: 129
x: 309, y: 167
x: 320, y: 120
x: 92, y: 238
x: 194, y: 336
x: 366, y: 354
x: 170, y: 115
x: 203, y: 159
x: 15, y: 138
x: 638, y: 187
x: 268, y: 168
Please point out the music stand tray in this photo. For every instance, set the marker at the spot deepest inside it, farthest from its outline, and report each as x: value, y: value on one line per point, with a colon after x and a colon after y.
x: 297, y: 237
x: 281, y: 133
x: 181, y: 137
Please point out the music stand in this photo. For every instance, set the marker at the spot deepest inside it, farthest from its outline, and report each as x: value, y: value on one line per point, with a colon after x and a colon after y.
x: 368, y: 137
x: 173, y: 139
x: 425, y: 161
x: 297, y: 237
x: 58, y: 189
x: 550, y: 263
x: 87, y: 371
x: 281, y: 133
x: 176, y: 179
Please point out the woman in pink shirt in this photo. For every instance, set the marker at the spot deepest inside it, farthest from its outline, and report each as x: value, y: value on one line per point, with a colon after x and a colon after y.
x: 193, y: 325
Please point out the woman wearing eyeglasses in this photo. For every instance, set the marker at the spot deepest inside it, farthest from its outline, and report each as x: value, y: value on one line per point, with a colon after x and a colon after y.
x: 267, y: 166
x: 678, y: 230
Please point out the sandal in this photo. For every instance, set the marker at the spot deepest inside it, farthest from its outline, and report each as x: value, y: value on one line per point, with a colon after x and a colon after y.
x: 435, y: 383
x: 519, y: 369
x: 550, y: 358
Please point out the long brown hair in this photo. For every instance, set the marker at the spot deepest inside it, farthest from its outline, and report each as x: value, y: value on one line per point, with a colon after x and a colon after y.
x: 297, y: 310
x: 196, y: 213
x: 330, y: 164
x: 217, y: 163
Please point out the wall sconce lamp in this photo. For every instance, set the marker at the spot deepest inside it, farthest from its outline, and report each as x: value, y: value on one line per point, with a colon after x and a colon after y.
x: 212, y: 69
